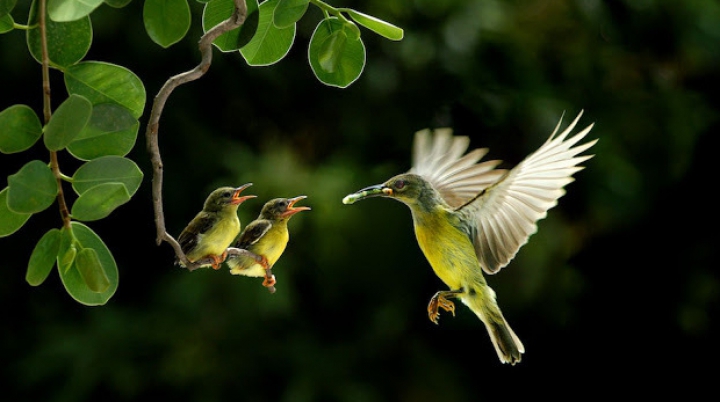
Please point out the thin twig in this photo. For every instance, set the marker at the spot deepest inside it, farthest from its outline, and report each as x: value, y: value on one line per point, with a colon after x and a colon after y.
x: 47, y: 112
x: 205, y: 45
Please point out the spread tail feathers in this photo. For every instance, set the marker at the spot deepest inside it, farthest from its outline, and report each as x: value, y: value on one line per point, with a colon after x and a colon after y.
x: 507, y: 345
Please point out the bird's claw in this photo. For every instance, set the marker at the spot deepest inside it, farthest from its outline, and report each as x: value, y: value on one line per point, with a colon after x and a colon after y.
x: 213, y: 260
x: 262, y: 260
x: 218, y: 259
x: 269, y: 281
x: 439, y: 301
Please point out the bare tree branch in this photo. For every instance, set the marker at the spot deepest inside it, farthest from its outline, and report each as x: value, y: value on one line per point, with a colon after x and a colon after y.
x: 205, y: 45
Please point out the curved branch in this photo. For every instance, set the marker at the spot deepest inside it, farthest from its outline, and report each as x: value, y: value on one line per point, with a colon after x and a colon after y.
x: 151, y: 134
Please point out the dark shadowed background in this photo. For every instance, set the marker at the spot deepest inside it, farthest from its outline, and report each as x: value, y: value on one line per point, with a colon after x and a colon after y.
x: 617, y: 294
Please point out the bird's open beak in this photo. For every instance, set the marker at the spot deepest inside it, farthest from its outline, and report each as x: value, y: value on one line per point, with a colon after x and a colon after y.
x: 237, y: 199
x: 378, y: 190
x: 291, y: 209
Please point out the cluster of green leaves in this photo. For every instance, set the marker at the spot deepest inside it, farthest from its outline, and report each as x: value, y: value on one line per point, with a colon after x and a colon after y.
x: 98, y: 122
x: 336, y: 52
x: 105, y: 181
x: 98, y: 125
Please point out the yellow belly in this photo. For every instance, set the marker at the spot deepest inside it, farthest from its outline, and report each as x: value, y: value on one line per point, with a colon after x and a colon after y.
x: 274, y: 247
x: 448, y: 250
x: 216, y: 240
x: 271, y: 246
x: 249, y: 269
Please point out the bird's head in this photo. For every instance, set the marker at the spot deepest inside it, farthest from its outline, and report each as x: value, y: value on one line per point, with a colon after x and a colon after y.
x: 408, y: 188
x: 226, y: 196
x: 282, y: 208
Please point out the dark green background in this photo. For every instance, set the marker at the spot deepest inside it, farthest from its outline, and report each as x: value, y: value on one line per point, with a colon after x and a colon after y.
x: 616, y: 295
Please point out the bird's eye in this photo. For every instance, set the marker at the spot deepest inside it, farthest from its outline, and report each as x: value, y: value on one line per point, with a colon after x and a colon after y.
x: 400, y: 184
x: 227, y: 194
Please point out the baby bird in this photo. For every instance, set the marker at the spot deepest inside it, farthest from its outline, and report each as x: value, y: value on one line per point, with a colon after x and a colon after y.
x: 213, y: 229
x: 266, y: 237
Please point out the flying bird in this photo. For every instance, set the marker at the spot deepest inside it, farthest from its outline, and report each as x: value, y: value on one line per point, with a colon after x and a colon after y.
x: 212, y: 230
x: 266, y: 238
x: 470, y: 217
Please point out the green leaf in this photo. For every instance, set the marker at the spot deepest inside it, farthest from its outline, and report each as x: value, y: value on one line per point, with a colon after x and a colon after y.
x: 7, y: 23
x: 32, y: 189
x: 217, y: 11
x: 351, y: 30
x: 99, y: 201
x: 335, y: 58
x: 376, y: 25
x: 67, y: 122
x: 117, y: 3
x: 71, y: 10
x: 112, y: 130
x: 68, y: 42
x: 108, y: 169
x: 71, y: 278
x: 331, y: 51
x: 289, y: 12
x: 20, y: 128
x: 166, y: 21
x: 104, y: 82
x: 10, y: 221
x: 67, y: 250
x: 91, y: 270
x: 43, y: 257
x: 270, y: 44
x: 6, y: 6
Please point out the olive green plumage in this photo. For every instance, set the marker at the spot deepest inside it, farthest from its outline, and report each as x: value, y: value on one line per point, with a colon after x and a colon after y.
x: 470, y: 217
x: 266, y: 237
x: 213, y: 229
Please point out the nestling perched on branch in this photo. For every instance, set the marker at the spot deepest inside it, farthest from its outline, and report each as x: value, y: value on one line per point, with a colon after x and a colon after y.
x: 213, y: 229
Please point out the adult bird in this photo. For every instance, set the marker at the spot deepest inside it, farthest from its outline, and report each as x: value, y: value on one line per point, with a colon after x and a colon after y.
x: 470, y: 217
x: 209, y: 234
x: 266, y: 238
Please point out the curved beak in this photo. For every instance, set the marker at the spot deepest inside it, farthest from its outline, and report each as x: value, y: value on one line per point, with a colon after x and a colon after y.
x: 378, y: 190
x: 237, y: 199
x: 292, y: 209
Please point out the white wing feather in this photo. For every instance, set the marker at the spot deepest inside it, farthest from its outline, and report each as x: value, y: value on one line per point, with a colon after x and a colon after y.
x: 505, y: 215
x: 439, y: 160
x: 503, y: 206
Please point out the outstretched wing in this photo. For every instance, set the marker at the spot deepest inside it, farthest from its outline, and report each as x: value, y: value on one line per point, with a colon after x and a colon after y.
x: 439, y: 159
x: 505, y: 215
x: 252, y: 233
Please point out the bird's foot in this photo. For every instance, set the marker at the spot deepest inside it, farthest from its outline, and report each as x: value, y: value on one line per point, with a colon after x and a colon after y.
x: 260, y: 259
x: 439, y: 300
x: 269, y: 281
x: 216, y: 260
x: 213, y: 260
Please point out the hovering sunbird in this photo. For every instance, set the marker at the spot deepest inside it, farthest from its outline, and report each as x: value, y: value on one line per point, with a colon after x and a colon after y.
x: 470, y: 217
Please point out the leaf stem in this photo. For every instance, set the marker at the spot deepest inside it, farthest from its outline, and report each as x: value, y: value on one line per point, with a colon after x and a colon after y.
x: 24, y: 27
x: 324, y: 6
x: 328, y: 9
x: 47, y: 112
x: 205, y: 44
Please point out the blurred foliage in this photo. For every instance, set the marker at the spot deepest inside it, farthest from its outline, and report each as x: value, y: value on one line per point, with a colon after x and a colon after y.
x: 617, y: 291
